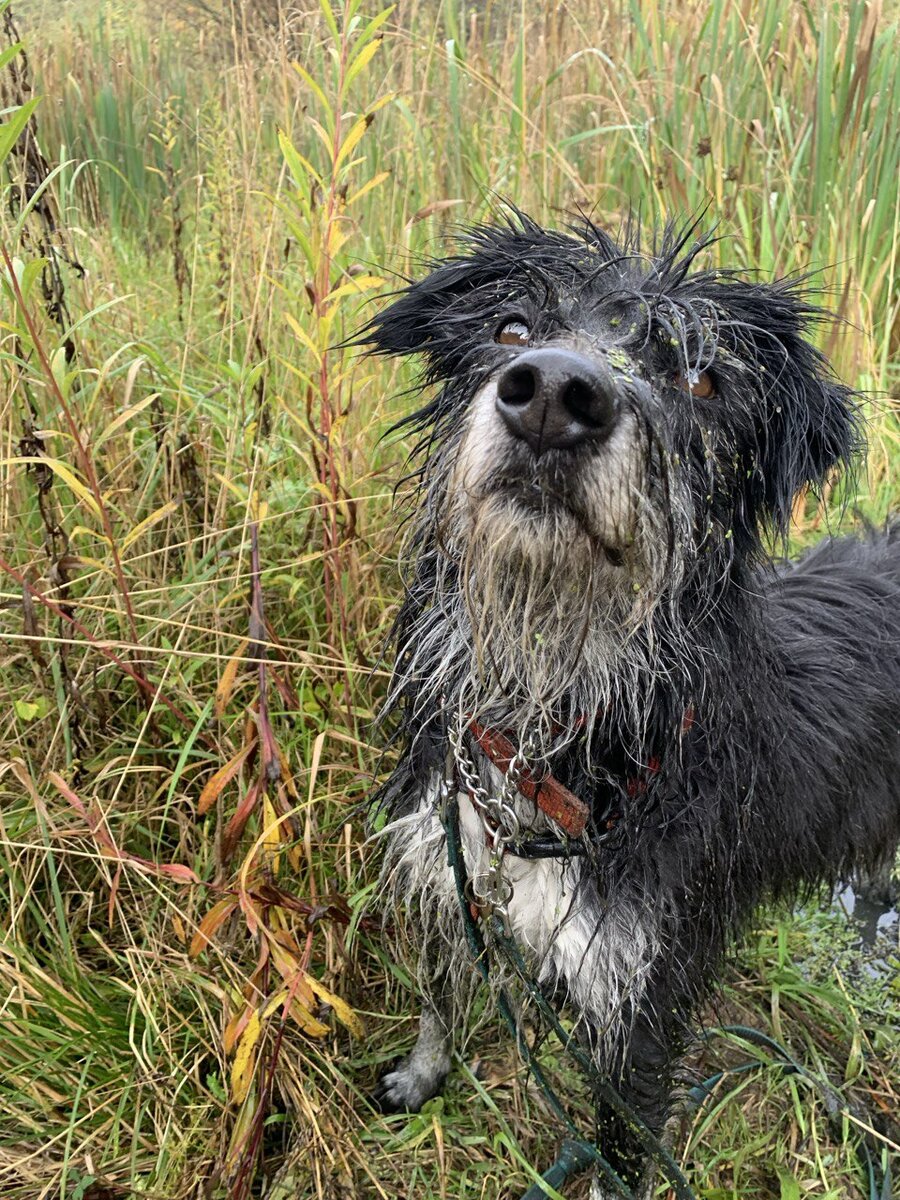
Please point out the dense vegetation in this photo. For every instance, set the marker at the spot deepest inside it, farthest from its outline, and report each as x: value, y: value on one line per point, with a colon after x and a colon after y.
x: 198, y: 553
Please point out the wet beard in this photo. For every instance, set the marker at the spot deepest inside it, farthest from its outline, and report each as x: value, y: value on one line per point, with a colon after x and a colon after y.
x: 533, y: 624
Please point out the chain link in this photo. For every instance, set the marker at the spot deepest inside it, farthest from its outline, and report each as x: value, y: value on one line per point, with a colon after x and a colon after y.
x: 488, y: 888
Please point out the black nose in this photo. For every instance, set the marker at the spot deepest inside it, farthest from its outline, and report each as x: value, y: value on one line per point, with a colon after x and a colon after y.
x: 556, y: 399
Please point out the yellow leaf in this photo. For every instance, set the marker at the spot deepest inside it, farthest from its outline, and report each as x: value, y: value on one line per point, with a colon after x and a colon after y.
x: 367, y: 187
x: 143, y: 526
x: 123, y: 418
x: 356, y: 286
x: 342, y: 1009
x: 226, y: 683
x: 336, y: 239
x: 307, y: 1021
x: 303, y: 337
x: 84, y: 560
x: 271, y: 828
x: 245, y: 1060
x: 353, y: 138
x: 65, y: 473
x: 381, y: 102
x: 361, y: 61
x: 232, y: 486
x: 301, y: 1015
x: 277, y: 1001
x: 287, y: 965
x: 348, y: 166
x: 83, y: 531
x: 224, y: 775
x: 286, y: 774
x: 323, y: 490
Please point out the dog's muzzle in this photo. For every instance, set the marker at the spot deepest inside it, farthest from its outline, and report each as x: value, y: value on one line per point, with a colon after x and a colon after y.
x: 555, y: 399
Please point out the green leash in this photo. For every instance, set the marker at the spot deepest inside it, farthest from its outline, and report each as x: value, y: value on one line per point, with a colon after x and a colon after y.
x: 576, y: 1154
x: 879, y: 1183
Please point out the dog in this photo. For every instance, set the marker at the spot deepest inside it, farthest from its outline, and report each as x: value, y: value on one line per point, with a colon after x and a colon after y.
x: 651, y: 725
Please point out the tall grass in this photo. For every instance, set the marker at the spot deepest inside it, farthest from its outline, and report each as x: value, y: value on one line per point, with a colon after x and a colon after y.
x: 197, y: 542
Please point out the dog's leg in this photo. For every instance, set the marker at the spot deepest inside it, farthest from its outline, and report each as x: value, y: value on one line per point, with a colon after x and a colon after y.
x: 644, y: 1084
x: 421, y: 1074
x: 609, y: 958
x: 877, y: 885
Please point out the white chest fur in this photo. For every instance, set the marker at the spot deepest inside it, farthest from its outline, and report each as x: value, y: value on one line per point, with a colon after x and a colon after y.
x: 600, y: 948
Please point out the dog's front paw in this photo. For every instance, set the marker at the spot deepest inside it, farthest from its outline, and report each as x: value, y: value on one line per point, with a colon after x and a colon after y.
x: 406, y: 1086
x: 602, y: 1191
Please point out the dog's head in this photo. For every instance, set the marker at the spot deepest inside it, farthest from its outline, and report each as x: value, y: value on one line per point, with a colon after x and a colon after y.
x: 611, y: 428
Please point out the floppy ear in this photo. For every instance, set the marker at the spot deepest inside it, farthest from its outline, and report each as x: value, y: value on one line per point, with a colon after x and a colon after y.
x: 814, y: 426
x: 443, y: 316
x: 810, y: 422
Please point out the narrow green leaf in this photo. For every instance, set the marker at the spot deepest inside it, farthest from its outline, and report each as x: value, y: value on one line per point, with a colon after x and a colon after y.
x: 11, y: 130
x: 373, y: 26
x: 301, y: 168
x: 316, y: 90
x: 330, y: 20
x: 9, y: 54
x: 790, y: 1188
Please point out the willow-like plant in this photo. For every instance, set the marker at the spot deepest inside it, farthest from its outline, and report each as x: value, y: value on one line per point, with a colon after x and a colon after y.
x: 320, y: 214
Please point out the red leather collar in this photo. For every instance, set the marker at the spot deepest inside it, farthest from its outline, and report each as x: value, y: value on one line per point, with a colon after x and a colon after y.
x: 552, y: 797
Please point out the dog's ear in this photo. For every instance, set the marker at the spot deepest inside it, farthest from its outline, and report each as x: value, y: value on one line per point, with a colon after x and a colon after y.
x: 810, y: 422
x: 443, y: 316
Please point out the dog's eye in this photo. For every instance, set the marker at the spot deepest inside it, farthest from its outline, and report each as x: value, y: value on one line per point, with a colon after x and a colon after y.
x: 513, y: 333
x: 701, y: 386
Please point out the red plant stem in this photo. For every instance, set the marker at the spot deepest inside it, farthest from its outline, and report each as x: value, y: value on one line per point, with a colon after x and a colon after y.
x: 142, y: 682
x: 269, y: 760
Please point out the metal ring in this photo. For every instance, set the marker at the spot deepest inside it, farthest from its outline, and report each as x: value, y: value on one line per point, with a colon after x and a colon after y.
x: 473, y: 895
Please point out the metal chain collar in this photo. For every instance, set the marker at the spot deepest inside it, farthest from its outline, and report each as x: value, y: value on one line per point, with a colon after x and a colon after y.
x: 487, y: 887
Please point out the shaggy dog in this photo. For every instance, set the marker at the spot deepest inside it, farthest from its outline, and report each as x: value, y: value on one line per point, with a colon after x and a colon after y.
x: 614, y: 440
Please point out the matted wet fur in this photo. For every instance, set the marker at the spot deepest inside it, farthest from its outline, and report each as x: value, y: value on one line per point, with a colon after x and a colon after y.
x: 612, y: 438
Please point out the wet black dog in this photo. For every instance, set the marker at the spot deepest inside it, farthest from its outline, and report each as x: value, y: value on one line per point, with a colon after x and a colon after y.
x: 614, y: 440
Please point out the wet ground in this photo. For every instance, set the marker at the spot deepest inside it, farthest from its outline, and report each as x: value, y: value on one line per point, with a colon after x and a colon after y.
x: 878, y: 929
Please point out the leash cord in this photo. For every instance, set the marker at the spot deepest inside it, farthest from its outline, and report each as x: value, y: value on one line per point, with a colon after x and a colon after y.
x: 576, y: 1154
x: 879, y: 1183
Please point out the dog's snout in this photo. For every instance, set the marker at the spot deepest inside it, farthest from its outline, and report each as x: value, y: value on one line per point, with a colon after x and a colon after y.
x: 556, y: 399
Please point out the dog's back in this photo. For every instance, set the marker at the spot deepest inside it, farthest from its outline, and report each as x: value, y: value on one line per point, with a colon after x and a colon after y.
x: 836, y: 618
